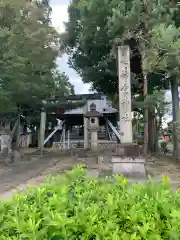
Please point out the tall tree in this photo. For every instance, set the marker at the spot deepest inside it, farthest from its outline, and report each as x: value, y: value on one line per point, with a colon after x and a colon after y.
x: 62, y: 85
x: 95, y: 27
x: 138, y: 20
x: 29, y: 47
x: 167, y: 40
x: 89, y: 46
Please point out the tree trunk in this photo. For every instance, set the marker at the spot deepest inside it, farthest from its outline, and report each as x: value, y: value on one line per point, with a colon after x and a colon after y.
x: 155, y: 143
x: 151, y: 131
x: 18, y: 129
x: 33, y: 131
x: 38, y: 138
x: 145, y: 119
x: 156, y: 133
x: 11, y: 144
x: 175, y: 107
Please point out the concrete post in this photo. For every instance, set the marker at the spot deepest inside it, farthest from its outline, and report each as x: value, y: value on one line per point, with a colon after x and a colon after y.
x: 94, y: 140
x: 64, y: 137
x: 68, y: 138
x: 94, y: 132
x: 42, y: 130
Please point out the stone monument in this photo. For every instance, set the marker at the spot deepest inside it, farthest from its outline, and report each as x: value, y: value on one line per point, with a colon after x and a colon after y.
x: 4, y: 136
x: 127, y: 160
x: 125, y: 116
x: 93, y: 126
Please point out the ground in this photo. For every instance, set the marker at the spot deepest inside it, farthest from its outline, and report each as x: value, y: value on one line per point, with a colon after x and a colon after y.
x: 34, y: 171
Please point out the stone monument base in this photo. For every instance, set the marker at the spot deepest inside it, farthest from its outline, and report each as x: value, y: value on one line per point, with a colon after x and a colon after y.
x: 128, y: 161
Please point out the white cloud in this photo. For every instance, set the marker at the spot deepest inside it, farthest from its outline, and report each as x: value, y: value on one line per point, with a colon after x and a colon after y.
x: 59, y: 16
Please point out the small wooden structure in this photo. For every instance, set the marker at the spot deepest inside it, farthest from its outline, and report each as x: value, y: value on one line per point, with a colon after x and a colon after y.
x: 73, y: 129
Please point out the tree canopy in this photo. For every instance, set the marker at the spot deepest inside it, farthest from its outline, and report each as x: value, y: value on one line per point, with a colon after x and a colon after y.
x: 29, y: 48
x: 151, y: 29
x: 95, y: 27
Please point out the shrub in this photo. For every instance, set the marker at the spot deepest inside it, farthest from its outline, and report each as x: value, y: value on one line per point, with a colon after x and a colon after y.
x: 75, y: 207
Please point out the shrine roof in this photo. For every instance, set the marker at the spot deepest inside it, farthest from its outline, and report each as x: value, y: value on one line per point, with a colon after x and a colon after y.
x: 77, y: 97
x: 103, y: 106
x: 80, y: 111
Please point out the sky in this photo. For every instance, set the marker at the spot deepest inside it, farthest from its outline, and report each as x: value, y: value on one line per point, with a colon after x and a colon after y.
x: 59, y: 16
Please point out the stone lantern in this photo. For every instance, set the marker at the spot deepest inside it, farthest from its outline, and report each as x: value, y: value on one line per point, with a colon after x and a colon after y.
x: 93, y: 127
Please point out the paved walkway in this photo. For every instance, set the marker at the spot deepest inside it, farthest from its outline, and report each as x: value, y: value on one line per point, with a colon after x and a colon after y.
x: 23, y: 173
x: 34, y: 172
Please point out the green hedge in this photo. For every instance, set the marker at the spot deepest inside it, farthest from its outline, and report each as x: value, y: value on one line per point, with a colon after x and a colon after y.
x: 74, y: 207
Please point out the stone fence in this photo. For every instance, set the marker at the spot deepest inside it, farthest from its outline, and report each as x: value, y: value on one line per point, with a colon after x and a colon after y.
x: 79, y: 144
